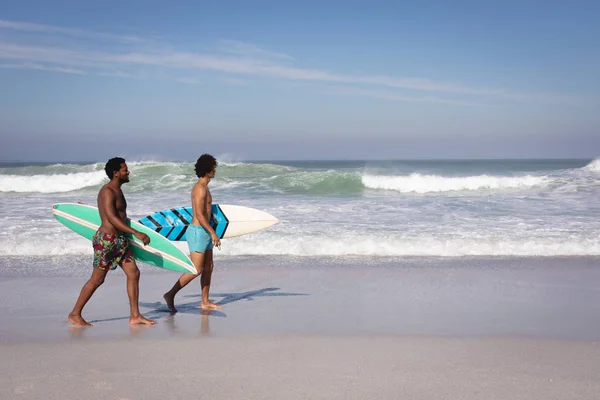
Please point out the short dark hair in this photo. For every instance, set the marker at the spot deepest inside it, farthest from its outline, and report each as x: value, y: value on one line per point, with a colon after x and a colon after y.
x: 113, y: 165
x: 205, y: 164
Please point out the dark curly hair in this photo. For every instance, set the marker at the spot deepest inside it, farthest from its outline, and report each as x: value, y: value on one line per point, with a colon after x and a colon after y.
x: 205, y: 164
x: 112, y: 166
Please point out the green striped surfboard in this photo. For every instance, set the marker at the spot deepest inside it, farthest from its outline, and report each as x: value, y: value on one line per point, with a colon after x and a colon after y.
x: 160, y: 252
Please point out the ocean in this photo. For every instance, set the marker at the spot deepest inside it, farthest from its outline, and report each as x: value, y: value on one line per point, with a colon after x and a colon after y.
x: 328, y: 209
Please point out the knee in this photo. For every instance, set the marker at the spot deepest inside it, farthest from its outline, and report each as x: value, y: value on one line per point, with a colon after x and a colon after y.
x: 134, y: 274
x: 96, y: 281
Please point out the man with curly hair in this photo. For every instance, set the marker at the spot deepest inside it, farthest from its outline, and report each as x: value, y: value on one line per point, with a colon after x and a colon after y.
x: 111, y: 247
x: 201, y: 237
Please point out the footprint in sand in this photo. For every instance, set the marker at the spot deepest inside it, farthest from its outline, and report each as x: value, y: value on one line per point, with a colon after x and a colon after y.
x: 101, y: 385
x: 22, y: 389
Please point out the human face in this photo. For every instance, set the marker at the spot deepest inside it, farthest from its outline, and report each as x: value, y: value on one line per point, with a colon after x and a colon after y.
x: 212, y: 173
x: 123, y: 173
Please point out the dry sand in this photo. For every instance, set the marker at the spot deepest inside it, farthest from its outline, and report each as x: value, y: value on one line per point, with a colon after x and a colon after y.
x: 291, y: 367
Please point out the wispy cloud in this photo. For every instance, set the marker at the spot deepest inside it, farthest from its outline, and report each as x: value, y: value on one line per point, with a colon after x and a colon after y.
x: 121, y: 74
x: 49, y: 29
x: 41, y: 67
x: 234, y: 57
x: 249, y: 50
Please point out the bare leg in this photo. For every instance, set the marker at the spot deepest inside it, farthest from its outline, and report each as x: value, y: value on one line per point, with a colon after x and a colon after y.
x: 184, y: 279
x: 87, y: 291
x: 205, y: 282
x: 169, y: 297
x: 133, y: 291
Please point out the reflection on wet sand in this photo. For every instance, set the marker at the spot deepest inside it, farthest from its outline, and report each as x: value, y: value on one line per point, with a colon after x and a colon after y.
x: 77, y: 332
x: 170, y: 321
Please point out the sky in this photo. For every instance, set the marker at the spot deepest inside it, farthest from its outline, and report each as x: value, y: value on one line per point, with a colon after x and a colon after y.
x: 276, y: 80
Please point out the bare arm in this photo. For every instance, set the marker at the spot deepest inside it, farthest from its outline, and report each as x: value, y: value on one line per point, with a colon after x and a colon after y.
x: 106, y: 201
x: 199, y: 196
x: 199, y: 205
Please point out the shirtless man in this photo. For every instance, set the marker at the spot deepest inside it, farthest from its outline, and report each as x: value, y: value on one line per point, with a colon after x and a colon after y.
x: 111, y: 247
x: 201, y: 237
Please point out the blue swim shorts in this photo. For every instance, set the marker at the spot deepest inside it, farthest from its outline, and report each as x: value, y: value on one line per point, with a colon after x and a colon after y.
x: 198, y: 239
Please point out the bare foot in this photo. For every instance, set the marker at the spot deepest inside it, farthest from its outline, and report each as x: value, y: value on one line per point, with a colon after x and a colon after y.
x: 141, y: 321
x: 78, y: 320
x: 209, y: 306
x: 170, y: 300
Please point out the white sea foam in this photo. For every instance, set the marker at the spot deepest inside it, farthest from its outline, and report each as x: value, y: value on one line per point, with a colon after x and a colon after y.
x: 422, y: 246
x: 348, y: 244
x: 417, y: 183
x: 55, y: 183
x: 593, y: 166
x: 152, y: 163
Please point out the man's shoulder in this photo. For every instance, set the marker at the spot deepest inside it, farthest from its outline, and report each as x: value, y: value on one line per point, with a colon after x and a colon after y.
x: 106, y: 190
x: 198, y: 187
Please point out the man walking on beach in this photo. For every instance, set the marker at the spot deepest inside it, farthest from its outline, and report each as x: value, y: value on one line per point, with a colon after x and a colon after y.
x: 201, y: 237
x: 111, y: 247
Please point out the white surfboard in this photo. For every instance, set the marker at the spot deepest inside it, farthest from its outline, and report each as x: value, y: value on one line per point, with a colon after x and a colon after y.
x: 227, y: 220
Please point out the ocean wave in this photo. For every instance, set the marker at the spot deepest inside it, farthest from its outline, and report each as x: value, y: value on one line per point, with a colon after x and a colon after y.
x: 55, y: 183
x: 225, y: 168
x: 342, y: 245
x: 395, y: 245
x: 161, y: 176
x: 252, y: 170
x: 593, y: 166
x: 52, y: 169
x: 144, y: 176
x: 316, y: 182
x: 417, y: 183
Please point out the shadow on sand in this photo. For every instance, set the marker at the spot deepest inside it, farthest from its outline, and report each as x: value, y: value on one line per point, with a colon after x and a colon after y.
x: 159, y: 309
x: 233, y: 297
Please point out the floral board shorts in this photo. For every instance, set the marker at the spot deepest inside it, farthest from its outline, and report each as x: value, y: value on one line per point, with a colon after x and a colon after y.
x: 110, y: 251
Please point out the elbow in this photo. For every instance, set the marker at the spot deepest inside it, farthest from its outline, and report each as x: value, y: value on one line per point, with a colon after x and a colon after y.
x: 116, y: 222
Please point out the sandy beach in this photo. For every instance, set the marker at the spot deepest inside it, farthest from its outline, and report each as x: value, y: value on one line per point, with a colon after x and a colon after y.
x: 297, y: 328
x: 303, y: 367
x: 407, y: 195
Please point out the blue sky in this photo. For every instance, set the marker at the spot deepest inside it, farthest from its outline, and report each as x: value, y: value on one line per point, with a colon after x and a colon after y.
x: 302, y: 80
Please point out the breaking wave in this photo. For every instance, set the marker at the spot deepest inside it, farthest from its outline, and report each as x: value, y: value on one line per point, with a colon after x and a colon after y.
x: 55, y: 183
x: 593, y: 166
x: 417, y: 183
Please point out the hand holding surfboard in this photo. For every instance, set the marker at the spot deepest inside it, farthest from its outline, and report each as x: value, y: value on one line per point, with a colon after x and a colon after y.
x: 159, y: 251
